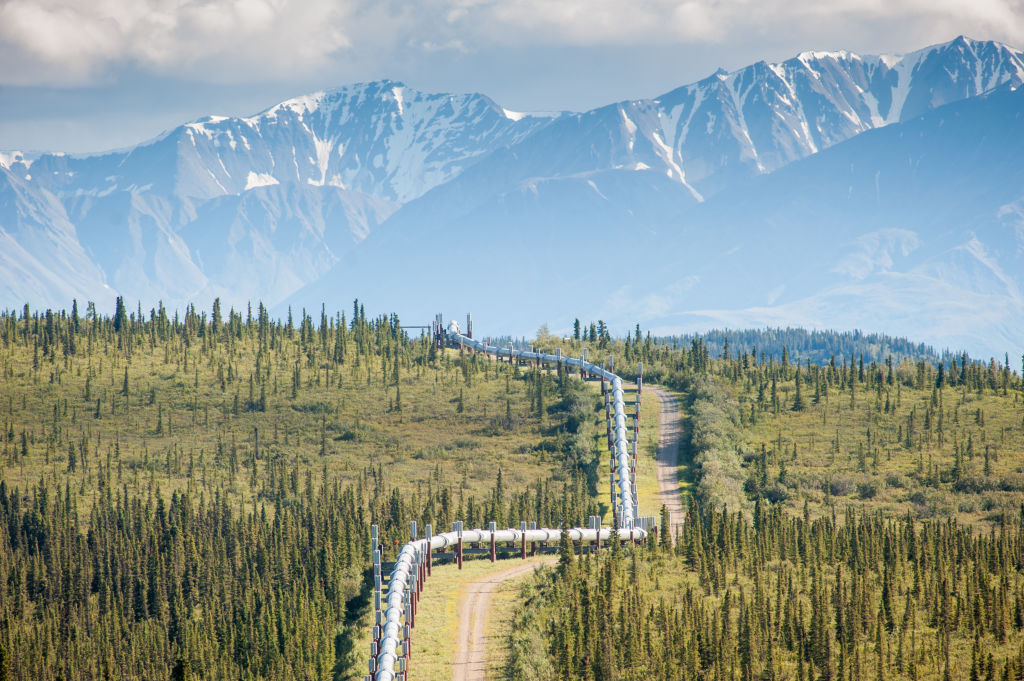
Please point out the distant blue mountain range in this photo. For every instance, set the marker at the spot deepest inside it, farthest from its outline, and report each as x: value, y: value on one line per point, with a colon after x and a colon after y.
x: 830, y: 190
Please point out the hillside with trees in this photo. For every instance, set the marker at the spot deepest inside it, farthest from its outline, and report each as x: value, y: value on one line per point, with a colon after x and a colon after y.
x: 851, y: 519
x: 190, y: 497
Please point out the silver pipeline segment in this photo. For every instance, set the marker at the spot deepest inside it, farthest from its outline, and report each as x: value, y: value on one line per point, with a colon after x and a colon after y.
x: 403, y: 577
x: 625, y: 507
x: 396, y: 616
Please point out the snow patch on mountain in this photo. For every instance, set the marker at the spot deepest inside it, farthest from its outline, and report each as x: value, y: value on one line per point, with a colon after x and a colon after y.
x: 259, y: 180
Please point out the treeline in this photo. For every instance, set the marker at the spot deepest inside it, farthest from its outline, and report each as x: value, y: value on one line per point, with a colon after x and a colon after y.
x: 795, y: 344
x: 189, y: 589
x: 785, y: 597
x: 142, y: 587
x: 714, y: 445
x: 783, y: 430
x: 816, y: 346
x: 902, y: 432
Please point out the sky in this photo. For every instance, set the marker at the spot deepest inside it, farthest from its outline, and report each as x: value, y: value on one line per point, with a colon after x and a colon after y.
x: 88, y: 76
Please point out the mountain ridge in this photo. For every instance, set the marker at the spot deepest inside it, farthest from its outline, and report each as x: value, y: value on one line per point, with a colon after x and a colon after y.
x: 273, y: 205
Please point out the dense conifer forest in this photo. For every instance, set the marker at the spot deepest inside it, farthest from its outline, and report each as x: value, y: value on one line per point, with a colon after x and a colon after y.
x: 189, y: 497
x: 783, y: 597
x: 814, y: 345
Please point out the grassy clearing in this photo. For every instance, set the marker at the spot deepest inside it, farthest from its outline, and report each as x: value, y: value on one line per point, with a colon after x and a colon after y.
x: 648, y: 492
x: 180, y: 428
x: 948, y: 452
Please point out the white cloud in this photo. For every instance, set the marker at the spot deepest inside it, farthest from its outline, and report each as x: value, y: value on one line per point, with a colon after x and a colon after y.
x: 597, y: 22
x: 68, y: 41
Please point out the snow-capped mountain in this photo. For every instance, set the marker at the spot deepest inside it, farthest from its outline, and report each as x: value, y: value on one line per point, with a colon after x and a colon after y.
x: 916, y: 228
x: 732, y: 126
x: 258, y: 207
x: 41, y: 258
x: 383, y: 139
x: 314, y: 198
x: 764, y: 116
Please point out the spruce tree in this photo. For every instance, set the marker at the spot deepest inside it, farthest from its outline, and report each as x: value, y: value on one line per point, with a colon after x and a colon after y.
x: 798, y: 400
x: 665, y: 540
x: 565, y: 553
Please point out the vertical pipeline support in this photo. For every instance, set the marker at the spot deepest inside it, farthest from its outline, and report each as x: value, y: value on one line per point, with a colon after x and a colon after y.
x: 430, y: 549
x: 458, y: 549
x: 608, y: 421
x: 633, y: 459
x: 414, y: 576
x: 611, y: 491
x: 406, y: 645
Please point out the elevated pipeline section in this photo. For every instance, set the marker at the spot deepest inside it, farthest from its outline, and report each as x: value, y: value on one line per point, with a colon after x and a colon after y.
x: 390, y: 649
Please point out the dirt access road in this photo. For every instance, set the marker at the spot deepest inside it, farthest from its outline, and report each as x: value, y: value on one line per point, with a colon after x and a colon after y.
x: 473, y: 612
x: 669, y: 434
x: 475, y: 602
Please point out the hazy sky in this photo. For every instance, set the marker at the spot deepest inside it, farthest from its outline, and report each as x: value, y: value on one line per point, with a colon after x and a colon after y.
x: 88, y: 75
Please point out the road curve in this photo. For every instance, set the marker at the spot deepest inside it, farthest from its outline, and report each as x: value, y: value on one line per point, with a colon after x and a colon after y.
x: 475, y: 602
x: 473, y: 612
x: 669, y: 434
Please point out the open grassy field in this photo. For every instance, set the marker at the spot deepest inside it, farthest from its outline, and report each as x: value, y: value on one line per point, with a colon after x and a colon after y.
x: 189, y: 419
x: 946, y: 451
